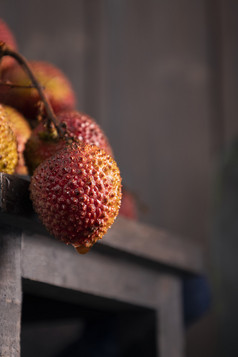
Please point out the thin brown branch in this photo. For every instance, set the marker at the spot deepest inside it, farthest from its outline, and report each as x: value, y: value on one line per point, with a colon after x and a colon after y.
x: 5, y: 51
x: 13, y: 85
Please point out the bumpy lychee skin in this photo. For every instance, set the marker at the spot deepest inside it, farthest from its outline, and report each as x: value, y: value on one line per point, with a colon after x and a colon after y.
x: 84, y: 128
x: 8, y: 145
x: 57, y: 89
x: 77, y: 194
x: 43, y: 144
x: 22, y: 132
x: 7, y: 36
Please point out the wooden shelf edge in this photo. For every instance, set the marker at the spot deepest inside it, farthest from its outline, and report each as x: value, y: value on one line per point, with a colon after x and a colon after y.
x: 126, y: 236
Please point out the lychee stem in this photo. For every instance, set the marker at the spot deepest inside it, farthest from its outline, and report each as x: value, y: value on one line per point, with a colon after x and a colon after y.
x: 13, y: 85
x: 5, y: 51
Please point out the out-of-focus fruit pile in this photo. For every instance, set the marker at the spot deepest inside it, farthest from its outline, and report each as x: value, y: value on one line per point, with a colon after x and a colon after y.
x: 129, y: 206
x: 75, y: 182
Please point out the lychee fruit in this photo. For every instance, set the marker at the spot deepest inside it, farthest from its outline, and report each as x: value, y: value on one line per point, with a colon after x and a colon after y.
x: 22, y: 132
x: 84, y: 128
x: 27, y: 100
x: 43, y: 142
x: 7, y: 36
x: 128, y: 207
x: 77, y: 194
x: 8, y: 145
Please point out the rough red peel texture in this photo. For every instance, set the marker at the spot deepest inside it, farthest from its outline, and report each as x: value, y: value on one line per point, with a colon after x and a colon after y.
x: 77, y: 194
x: 82, y: 127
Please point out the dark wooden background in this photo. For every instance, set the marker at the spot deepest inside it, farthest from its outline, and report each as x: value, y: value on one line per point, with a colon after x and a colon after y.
x: 161, y: 78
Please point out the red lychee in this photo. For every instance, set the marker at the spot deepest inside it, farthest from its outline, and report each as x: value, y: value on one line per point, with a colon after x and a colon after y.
x: 57, y: 89
x: 77, y: 194
x: 43, y: 143
x: 84, y: 128
x: 128, y: 207
x: 22, y: 132
x: 7, y: 36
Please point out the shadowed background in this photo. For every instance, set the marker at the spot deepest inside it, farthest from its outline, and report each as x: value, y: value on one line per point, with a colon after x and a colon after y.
x: 160, y: 78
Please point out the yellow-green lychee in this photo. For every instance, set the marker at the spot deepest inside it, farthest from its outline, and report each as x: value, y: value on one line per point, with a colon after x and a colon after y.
x: 8, y: 145
x: 22, y: 132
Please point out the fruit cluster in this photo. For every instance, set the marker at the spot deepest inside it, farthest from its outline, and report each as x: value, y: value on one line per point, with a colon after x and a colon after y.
x: 75, y: 182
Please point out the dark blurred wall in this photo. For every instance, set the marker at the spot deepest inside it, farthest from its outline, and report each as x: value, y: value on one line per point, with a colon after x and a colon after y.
x: 225, y: 238
x: 142, y: 70
x: 159, y: 77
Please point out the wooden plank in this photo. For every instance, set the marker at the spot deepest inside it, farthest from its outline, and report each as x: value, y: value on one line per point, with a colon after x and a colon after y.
x: 112, y: 278
x: 128, y: 236
x: 99, y: 274
x: 10, y: 292
x: 155, y: 245
x: 117, y: 280
x: 14, y: 194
